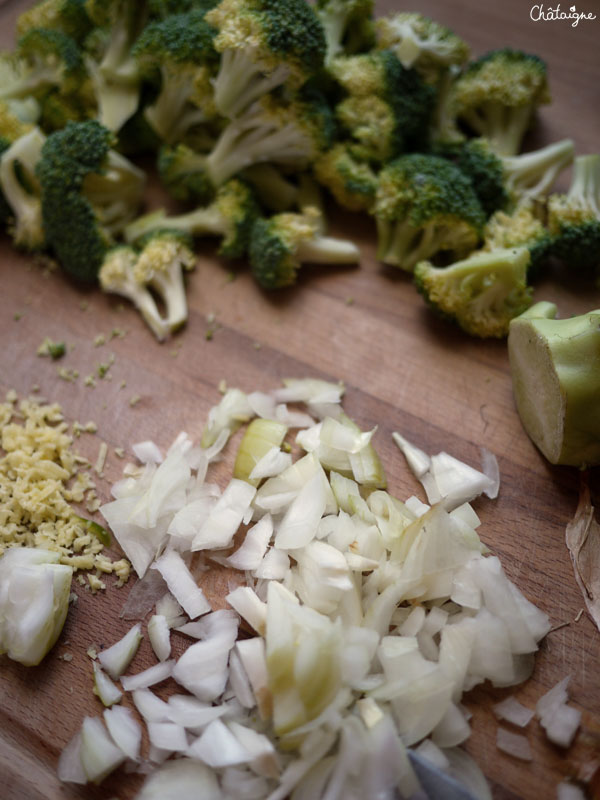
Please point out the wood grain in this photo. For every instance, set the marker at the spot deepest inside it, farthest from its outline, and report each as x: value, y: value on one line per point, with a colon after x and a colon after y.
x: 404, y: 370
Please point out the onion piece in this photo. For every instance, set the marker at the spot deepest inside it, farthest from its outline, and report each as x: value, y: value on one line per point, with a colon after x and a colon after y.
x: 70, y: 769
x: 514, y: 744
x: 181, y: 584
x: 245, y: 601
x: 158, y: 633
x: 191, y: 713
x: 99, y: 754
x: 104, y: 688
x: 299, y: 525
x: 559, y: 720
x: 181, y: 779
x: 218, y: 530
x: 228, y: 415
x: 253, y: 548
x: 147, y: 452
x: 510, y: 710
x: 569, y: 791
x: 490, y: 468
x: 218, y: 747
x: 151, y: 707
x: 117, y: 658
x: 262, y: 437
x: 148, y: 677
x: 125, y: 730
x: 168, y: 736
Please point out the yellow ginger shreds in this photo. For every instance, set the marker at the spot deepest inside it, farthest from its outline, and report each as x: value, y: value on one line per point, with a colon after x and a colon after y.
x: 40, y: 476
x: 95, y: 583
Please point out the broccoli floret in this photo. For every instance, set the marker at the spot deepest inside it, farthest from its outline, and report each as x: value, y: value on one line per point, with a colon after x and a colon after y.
x: 280, y: 245
x: 554, y: 368
x: 155, y: 270
x: 348, y: 25
x: 161, y: 9
x: 230, y: 216
x: 110, y: 60
x: 181, y: 48
x: 275, y: 191
x: 388, y: 108
x: 263, y: 44
x: 425, y: 206
x: 522, y: 227
x: 497, y: 96
x: 68, y: 16
x: 574, y: 217
x: 352, y: 182
x: 21, y: 189
x: 421, y: 43
x: 183, y: 172
x: 481, y: 293
x: 89, y: 193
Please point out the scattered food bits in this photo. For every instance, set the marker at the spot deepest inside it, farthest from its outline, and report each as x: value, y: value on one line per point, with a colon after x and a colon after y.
x: 69, y: 375
x: 99, y: 465
x: 514, y: 744
x: 134, y: 400
x: 99, y: 340
x: 50, y: 349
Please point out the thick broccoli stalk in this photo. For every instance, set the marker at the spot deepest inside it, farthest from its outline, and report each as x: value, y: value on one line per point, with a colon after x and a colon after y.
x: 421, y: 43
x: 181, y: 48
x: 263, y: 44
x: 230, y: 216
x: 556, y: 382
x: 89, y: 193
x: 531, y: 175
x: 388, y: 108
x: 21, y: 189
x: 155, y: 271
x: 281, y: 244
x: 574, y: 217
x: 68, y: 16
x: 482, y: 293
x: 290, y: 134
x: 425, y: 206
x: 522, y: 227
x: 497, y: 96
x: 348, y: 25
x: 353, y: 183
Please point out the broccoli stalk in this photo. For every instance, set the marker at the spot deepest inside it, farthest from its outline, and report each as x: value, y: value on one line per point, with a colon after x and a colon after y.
x: 482, y: 293
x: 183, y: 173
x: 345, y: 22
x: 531, y: 175
x: 281, y: 244
x: 263, y: 44
x: 556, y: 382
x: 574, y: 218
x: 230, y: 216
x: 21, y: 189
x: 156, y: 270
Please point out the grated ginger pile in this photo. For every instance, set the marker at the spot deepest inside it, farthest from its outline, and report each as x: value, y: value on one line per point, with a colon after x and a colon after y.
x: 40, y: 477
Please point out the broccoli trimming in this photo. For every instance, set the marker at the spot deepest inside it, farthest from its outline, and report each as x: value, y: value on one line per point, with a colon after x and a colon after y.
x: 574, y: 217
x: 353, y: 183
x: 230, y: 216
x: 89, y: 192
x: 183, y: 173
x: 274, y: 190
x: 263, y: 44
x: 21, y: 189
x: 522, y: 227
x: 154, y: 270
x: 497, y: 96
x: 279, y: 245
x: 425, y: 207
x: 180, y: 48
x: 349, y: 26
x: 556, y: 382
x: 481, y: 293
x: 67, y: 16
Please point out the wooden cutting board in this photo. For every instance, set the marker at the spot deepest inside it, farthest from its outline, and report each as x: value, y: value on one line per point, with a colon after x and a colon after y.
x: 404, y: 370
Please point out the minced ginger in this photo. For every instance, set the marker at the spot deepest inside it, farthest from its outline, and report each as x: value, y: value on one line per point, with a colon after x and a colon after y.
x: 40, y: 477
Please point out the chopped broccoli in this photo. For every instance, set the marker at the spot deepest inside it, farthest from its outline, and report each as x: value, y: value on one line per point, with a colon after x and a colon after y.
x: 348, y: 25
x: 556, y: 382
x: 280, y: 244
x: 89, y: 193
x: 183, y: 172
x: 291, y: 134
x: 421, y: 43
x: 273, y: 189
x: 522, y: 227
x: 574, y: 217
x: 68, y: 16
x: 497, y: 96
x: 231, y: 216
x: 425, y: 206
x: 352, y: 182
x: 156, y: 270
x: 21, y: 189
x: 481, y: 293
x: 263, y: 44
x: 388, y: 108
x: 160, y: 9
x: 181, y: 49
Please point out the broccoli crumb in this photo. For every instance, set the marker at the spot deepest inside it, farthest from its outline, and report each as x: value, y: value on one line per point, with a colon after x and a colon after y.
x: 53, y: 350
x: 134, y: 400
x: 119, y: 452
x: 18, y: 316
x: 99, y: 340
x: 257, y: 345
x: 102, y: 370
x: 89, y: 380
x: 92, y: 652
x: 222, y: 386
x: 69, y: 375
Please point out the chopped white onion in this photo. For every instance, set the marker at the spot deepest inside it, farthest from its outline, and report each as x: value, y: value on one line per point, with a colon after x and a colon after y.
x: 510, y: 710
x: 147, y: 452
x: 99, y: 754
x: 149, y: 677
x: 106, y: 690
x: 514, y: 744
x: 117, y: 658
x: 158, y: 633
x: 168, y: 736
x: 181, y: 584
x: 125, y: 730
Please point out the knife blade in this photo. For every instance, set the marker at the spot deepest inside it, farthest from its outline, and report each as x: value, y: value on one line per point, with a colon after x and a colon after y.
x: 436, y: 783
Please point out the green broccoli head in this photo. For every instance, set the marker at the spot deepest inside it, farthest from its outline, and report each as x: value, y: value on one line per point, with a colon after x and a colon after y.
x: 67, y: 16
x: 263, y: 44
x: 425, y: 207
x: 352, y: 182
x: 522, y: 227
x: 421, y: 43
x: 497, y: 96
x: 574, y: 217
x: 280, y: 245
x: 481, y: 293
x: 88, y: 193
x: 349, y: 26
x: 183, y: 172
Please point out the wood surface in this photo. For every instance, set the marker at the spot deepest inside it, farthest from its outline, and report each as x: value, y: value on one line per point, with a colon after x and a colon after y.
x: 404, y: 371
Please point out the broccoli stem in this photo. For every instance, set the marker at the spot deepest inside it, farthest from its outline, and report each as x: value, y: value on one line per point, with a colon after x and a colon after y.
x: 27, y: 86
x: 240, y: 81
x: 585, y: 183
x: 273, y: 189
x: 117, y: 101
x: 532, y: 174
x: 170, y: 287
x: 503, y: 126
x: 327, y: 250
x: 201, y: 221
x: 168, y: 115
x: 402, y: 245
x: 25, y: 152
